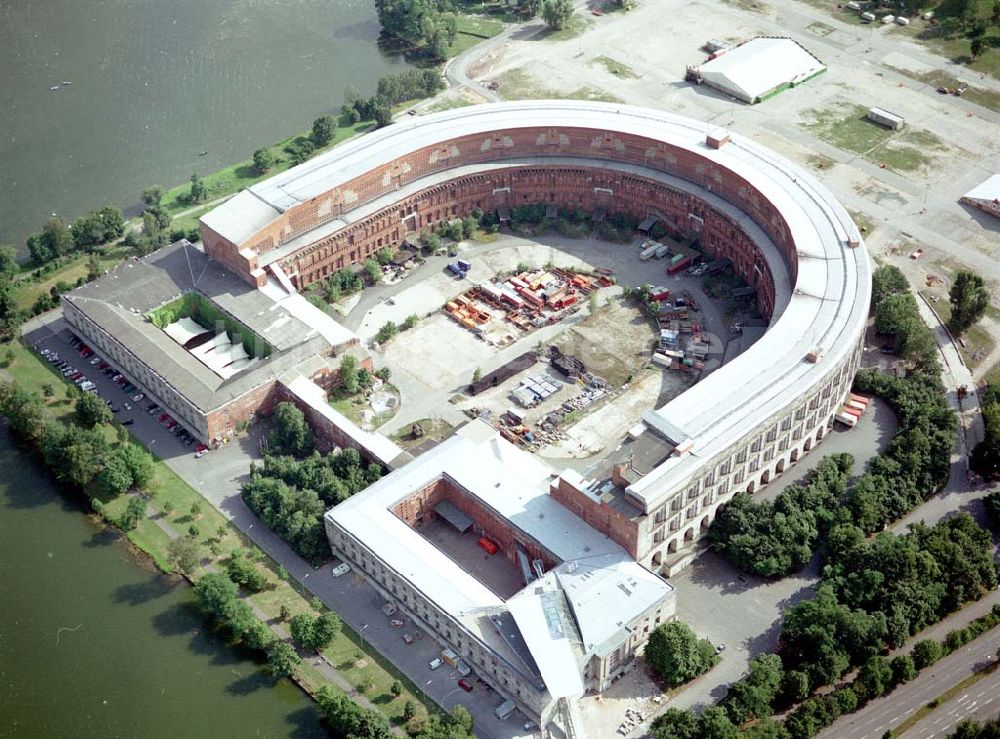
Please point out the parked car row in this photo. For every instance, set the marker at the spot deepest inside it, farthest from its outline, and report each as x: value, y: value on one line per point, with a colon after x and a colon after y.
x: 132, y: 393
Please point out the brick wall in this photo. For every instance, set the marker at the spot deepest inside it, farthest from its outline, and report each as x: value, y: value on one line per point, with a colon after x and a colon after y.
x: 601, y: 516
x: 560, y: 185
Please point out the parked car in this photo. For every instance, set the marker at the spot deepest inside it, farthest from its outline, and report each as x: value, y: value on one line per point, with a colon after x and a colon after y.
x: 200, y: 453
x: 129, y: 422
x: 127, y: 406
x: 408, y: 638
x: 95, y: 360
x: 435, y: 663
x: 139, y: 397
x: 342, y: 569
x: 465, y: 685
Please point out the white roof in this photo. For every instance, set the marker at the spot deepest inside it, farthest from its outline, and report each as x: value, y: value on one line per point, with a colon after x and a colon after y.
x: 184, y: 329
x: 988, y: 190
x: 240, y: 217
x: 299, y: 307
x: 514, y: 485
x: 380, y: 447
x: 760, y: 65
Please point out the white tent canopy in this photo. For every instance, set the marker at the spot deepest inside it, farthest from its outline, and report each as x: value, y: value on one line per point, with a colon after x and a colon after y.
x: 184, y: 329
x: 760, y: 66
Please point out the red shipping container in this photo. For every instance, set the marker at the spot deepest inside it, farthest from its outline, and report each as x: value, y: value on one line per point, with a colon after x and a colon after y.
x: 488, y: 545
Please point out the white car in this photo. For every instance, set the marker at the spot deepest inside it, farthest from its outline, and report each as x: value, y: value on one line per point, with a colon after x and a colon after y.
x: 127, y: 406
x: 200, y: 453
x: 138, y: 397
x: 342, y: 569
x: 435, y: 663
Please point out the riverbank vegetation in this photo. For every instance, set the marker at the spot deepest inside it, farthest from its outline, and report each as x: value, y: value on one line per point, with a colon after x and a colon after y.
x: 182, y: 533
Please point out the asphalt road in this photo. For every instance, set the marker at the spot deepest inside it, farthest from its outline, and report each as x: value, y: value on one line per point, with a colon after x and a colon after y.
x: 981, y: 702
x: 890, y: 711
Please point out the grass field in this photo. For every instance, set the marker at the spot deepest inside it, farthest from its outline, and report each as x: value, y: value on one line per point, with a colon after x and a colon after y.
x: 575, y: 26
x: 847, y: 127
x: 978, y: 341
x: 174, y: 501
x: 517, y: 84
x: 235, y: 177
x: 28, y: 292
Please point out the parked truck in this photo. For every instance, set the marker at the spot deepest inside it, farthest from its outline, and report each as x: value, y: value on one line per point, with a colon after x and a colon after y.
x: 456, y: 269
x: 678, y: 263
x: 661, y: 251
x: 505, y: 709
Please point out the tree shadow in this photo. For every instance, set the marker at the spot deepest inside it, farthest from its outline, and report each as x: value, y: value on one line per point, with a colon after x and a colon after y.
x: 103, y: 538
x: 383, y: 699
x: 305, y: 722
x: 143, y: 592
x: 180, y: 618
x: 250, y: 683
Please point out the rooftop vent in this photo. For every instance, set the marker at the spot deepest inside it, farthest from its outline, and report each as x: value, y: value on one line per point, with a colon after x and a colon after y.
x: 814, y: 356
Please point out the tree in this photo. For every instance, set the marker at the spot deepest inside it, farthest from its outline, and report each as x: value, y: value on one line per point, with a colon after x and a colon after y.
x: 396, y: 688
x: 675, y: 724
x: 477, y: 375
x: 114, y: 477
x: 715, y: 724
x: 382, y: 114
x: 969, y: 300
x: 263, y: 160
x: 323, y: 129
x: 47, y: 390
x: 245, y: 573
x: 134, y: 512
x: 373, y: 270
x: 556, y: 13
x: 409, y: 709
x: 347, y: 373
x: 410, y: 322
x: 91, y: 410
x: 676, y: 654
x: 386, y: 332
x: 215, y: 591
x: 291, y: 434
x: 903, y: 667
x: 198, y: 193
x: 152, y: 196
x: 282, y: 659
x: 887, y: 280
x: 383, y: 256
x: 196, y: 509
x: 8, y: 261
x: 977, y: 46
x: 875, y: 676
x: 364, y: 379
x: 753, y: 696
x: 183, y: 554
x: 139, y: 463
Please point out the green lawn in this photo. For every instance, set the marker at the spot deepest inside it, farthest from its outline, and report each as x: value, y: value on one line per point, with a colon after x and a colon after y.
x: 575, y: 26
x: 235, y: 177
x: 847, y: 127
x: 28, y: 292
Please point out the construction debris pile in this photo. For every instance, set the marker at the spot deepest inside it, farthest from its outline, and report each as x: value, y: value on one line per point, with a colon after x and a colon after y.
x: 680, y: 345
x: 525, y: 300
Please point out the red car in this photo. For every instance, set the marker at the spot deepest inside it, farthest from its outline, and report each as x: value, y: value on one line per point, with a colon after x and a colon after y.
x: 201, y: 448
x: 164, y: 417
x: 465, y: 685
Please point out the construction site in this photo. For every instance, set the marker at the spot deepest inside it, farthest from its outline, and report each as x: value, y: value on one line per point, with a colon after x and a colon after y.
x: 503, y: 309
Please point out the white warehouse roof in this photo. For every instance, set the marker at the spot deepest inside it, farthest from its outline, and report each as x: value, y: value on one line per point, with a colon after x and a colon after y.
x: 761, y: 65
x: 985, y: 195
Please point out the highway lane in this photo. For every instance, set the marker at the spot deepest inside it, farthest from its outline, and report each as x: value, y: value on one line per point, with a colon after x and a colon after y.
x: 891, y: 710
x: 981, y: 702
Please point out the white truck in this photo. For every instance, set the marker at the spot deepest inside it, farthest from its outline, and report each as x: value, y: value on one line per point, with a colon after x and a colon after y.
x: 505, y: 709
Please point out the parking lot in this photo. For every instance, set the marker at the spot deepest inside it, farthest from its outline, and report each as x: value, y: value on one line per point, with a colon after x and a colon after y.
x: 129, y: 403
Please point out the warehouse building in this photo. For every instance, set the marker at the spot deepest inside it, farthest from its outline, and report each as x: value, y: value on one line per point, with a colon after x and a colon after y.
x: 985, y: 196
x: 760, y: 68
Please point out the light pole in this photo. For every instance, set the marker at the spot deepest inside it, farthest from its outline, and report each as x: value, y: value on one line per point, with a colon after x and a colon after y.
x: 362, y: 635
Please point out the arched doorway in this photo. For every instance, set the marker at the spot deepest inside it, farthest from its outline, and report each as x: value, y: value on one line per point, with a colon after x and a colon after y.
x: 780, y: 467
x: 705, y: 523
x: 766, y: 477
x: 751, y: 487
x: 672, y: 546
x: 819, y: 432
x: 808, y: 445
x: 656, y: 562
x: 794, y: 456
x: 689, y: 535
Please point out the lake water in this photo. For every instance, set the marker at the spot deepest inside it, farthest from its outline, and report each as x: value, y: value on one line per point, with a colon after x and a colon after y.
x: 154, y: 84
x: 93, y: 644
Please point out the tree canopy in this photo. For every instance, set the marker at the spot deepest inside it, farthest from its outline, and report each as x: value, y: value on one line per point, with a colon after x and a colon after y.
x: 969, y: 300
x: 291, y: 434
x: 676, y: 654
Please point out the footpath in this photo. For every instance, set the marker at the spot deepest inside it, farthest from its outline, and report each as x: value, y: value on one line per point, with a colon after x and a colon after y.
x: 281, y: 631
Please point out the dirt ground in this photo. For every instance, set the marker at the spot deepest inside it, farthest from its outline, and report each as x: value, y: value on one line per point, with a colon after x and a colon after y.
x: 614, y: 343
x: 948, y: 145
